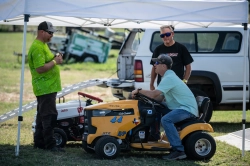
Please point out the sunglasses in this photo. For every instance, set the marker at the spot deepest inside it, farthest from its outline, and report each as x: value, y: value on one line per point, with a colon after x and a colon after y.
x: 165, y: 34
x: 157, y: 63
x: 49, y: 32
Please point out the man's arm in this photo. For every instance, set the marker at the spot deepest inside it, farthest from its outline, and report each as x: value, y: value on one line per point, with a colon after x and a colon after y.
x: 49, y: 65
x: 152, y: 79
x: 187, y: 72
x: 154, y: 94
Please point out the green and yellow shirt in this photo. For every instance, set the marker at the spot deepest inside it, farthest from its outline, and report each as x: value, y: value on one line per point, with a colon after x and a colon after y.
x: 48, y: 82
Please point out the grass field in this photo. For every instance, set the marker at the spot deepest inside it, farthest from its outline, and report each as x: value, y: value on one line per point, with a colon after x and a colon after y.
x: 223, y: 122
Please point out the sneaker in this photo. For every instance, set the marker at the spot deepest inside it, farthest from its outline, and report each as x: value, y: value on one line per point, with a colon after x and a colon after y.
x: 175, y: 155
x: 56, y: 149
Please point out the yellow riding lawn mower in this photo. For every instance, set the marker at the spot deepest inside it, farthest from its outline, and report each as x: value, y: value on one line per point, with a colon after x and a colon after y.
x: 123, y: 125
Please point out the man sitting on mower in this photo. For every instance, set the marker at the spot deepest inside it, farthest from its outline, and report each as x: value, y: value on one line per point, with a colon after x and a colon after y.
x: 179, y: 99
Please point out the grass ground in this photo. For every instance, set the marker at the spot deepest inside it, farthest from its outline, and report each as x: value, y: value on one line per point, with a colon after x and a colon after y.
x: 223, y: 122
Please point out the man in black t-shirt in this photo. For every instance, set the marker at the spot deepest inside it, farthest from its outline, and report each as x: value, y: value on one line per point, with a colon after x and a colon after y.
x: 181, y: 59
x: 178, y: 52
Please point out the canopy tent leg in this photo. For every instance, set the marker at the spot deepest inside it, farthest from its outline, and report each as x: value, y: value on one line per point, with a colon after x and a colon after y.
x: 20, y: 118
x: 246, y: 35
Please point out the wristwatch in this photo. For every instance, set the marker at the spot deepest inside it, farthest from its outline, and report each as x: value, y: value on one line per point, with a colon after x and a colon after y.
x: 185, y: 81
x: 54, y: 62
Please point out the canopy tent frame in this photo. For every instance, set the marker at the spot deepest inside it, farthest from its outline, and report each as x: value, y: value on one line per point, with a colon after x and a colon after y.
x: 125, y: 14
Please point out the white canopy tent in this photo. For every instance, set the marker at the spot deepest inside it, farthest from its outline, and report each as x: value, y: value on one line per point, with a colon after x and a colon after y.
x: 113, y: 23
x: 126, y: 14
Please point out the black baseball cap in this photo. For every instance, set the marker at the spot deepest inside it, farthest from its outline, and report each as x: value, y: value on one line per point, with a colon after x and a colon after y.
x: 164, y: 59
x: 46, y: 26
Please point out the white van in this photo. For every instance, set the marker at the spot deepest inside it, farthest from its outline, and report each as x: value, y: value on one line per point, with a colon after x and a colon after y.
x: 217, y: 70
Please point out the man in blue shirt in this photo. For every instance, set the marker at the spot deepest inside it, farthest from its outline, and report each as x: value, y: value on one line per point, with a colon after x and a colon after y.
x: 179, y: 99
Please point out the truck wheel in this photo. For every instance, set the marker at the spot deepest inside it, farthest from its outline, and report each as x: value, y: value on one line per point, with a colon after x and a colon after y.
x: 89, y: 58
x: 200, y: 145
x: 107, y: 147
x: 85, y: 147
x: 198, y: 92
x: 60, y: 136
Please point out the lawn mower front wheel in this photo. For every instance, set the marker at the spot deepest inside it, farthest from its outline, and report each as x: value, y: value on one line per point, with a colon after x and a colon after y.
x: 107, y: 147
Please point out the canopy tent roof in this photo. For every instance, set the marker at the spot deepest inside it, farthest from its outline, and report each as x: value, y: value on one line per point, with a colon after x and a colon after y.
x: 113, y: 23
x: 126, y: 13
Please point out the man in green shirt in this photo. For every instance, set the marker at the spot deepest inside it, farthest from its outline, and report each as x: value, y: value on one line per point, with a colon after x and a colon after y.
x: 46, y: 83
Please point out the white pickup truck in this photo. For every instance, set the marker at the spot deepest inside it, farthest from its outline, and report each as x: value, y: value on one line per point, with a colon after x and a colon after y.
x: 217, y: 70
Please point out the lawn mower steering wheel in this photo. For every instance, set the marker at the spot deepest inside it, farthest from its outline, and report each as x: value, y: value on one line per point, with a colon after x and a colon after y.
x: 148, y: 100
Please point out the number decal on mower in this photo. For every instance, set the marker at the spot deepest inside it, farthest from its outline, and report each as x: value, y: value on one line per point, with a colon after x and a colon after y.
x: 113, y: 120
x: 121, y: 133
x: 119, y: 120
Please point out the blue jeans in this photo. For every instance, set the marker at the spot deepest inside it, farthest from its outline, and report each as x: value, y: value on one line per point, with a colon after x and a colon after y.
x: 168, y: 121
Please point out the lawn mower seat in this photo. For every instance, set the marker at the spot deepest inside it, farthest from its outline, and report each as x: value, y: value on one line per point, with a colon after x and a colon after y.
x: 203, y: 104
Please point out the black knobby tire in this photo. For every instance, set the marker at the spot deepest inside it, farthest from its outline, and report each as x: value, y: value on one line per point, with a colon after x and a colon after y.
x: 89, y: 58
x: 200, y: 146
x: 85, y: 147
x: 198, y: 92
x: 61, y: 137
x: 107, y: 147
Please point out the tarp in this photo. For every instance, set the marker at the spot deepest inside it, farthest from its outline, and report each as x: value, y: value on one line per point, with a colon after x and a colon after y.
x: 126, y: 13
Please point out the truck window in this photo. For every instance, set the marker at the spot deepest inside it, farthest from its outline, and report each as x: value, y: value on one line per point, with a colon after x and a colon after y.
x: 232, y: 42
x: 207, y: 41
x: 156, y: 41
x: 187, y: 39
x: 204, y: 42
